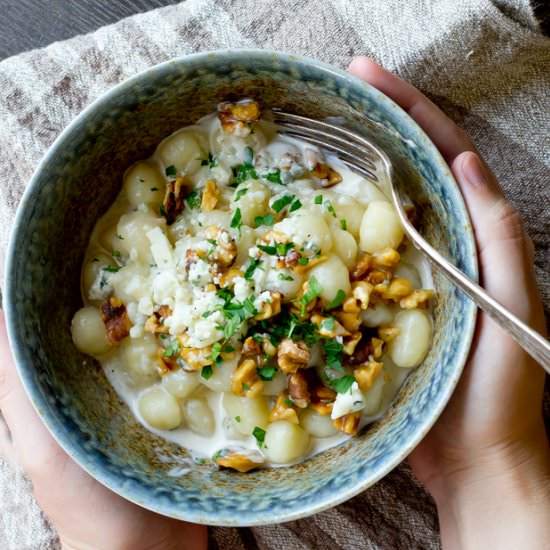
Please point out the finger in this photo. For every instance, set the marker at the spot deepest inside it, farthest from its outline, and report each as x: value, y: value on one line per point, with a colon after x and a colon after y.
x: 446, y: 135
x: 30, y: 437
x: 505, y: 251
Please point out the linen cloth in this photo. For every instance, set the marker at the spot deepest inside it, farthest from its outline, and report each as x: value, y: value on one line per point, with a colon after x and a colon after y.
x: 485, y: 63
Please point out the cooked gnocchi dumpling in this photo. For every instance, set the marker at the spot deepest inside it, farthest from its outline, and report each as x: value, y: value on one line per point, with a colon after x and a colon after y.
x: 246, y: 294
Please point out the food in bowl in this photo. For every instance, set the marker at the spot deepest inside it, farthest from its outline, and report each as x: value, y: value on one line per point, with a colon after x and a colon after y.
x: 250, y: 297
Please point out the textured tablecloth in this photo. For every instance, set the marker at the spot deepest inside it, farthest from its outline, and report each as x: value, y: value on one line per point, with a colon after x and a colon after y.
x: 485, y: 63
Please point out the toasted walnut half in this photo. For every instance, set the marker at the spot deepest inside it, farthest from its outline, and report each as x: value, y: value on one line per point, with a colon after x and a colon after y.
x: 361, y: 268
x: 115, y: 318
x: 322, y: 400
x: 292, y: 355
x: 326, y: 174
x: 226, y: 250
x: 386, y: 258
x: 417, y: 298
x: 155, y: 323
x: 395, y: 291
x: 174, y: 198
x: 366, y: 374
x: 245, y: 381
x: 238, y: 118
x: 282, y: 410
x: 240, y: 461
x: 349, y: 423
x: 297, y: 389
x: 270, y: 308
x: 210, y: 196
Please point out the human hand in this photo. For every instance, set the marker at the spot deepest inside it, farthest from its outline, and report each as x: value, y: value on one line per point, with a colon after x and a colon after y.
x: 491, y: 438
x: 85, y: 513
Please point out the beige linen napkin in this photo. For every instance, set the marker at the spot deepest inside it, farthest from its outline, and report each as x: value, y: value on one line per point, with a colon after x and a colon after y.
x: 485, y: 63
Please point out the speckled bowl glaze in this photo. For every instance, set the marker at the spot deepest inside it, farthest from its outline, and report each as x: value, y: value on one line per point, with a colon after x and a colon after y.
x: 75, y: 183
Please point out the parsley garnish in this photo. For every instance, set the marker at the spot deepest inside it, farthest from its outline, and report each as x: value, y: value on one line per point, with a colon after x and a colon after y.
x: 330, y: 208
x: 273, y: 177
x: 342, y: 385
x: 281, y: 203
x: 206, y: 372
x: 303, y: 261
x: 242, y: 172
x: 295, y: 206
x: 241, y: 193
x: 284, y: 277
x: 238, y: 418
x: 236, y: 219
x: 110, y: 269
x: 172, y: 349
x: 271, y: 250
x: 216, y: 455
x: 333, y: 352
x: 314, y: 289
x: 216, y: 350
x: 267, y: 373
x: 249, y: 152
x: 338, y: 299
x: 319, y: 199
x: 259, y: 434
x: 268, y: 219
x: 116, y: 254
x: 254, y: 263
x: 154, y: 189
x: 211, y: 161
x: 283, y: 248
x: 343, y: 224
x: 170, y: 170
x: 194, y: 199
x: 288, y: 402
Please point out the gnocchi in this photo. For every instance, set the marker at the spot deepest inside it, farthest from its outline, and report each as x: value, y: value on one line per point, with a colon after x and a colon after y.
x: 249, y: 297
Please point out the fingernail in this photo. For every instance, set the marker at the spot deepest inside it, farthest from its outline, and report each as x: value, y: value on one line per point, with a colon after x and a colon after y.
x: 473, y: 170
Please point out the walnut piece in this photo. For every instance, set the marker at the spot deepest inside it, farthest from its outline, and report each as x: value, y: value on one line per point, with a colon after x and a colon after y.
x: 350, y: 342
x: 239, y: 118
x: 366, y: 374
x: 196, y: 358
x: 242, y: 462
x: 297, y: 389
x: 210, y: 196
x: 328, y: 327
x: 386, y: 258
x: 417, y: 298
x: 282, y: 410
x: 350, y: 320
x: 388, y: 333
x: 326, y: 174
x: 226, y: 250
x: 395, y: 291
x: 366, y: 350
x: 349, y: 423
x: 251, y: 348
x: 245, y: 381
x: 322, y: 400
x: 174, y: 197
x: 361, y: 268
x: 155, y: 323
x: 270, y: 308
x: 292, y: 355
x: 115, y: 318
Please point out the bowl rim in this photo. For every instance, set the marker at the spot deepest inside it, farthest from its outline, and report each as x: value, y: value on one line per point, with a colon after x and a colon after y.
x: 39, y: 402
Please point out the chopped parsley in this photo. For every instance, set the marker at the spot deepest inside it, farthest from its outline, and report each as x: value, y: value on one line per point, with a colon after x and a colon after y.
x: 330, y: 208
x: 120, y: 237
x: 283, y: 277
x: 282, y: 203
x: 344, y: 225
x: 338, y: 299
x: 236, y: 220
x: 259, y: 434
x: 238, y: 418
x: 267, y: 373
x: 342, y: 385
x: 172, y: 349
x: 116, y: 254
x: 217, y: 455
x: 314, y: 289
x: 295, y: 206
x: 319, y: 199
x: 271, y: 250
x: 268, y: 219
x: 283, y: 248
x: 303, y: 261
x: 333, y: 352
x: 194, y: 199
x: 170, y: 170
x: 273, y: 177
x: 288, y: 402
x: 244, y: 171
x: 288, y: 325
x: 249, y: 152
x: 215, y: 355
x: 110, y: 269
x: 206, y: 372
x: 211, y: 161
x: 154, y: 189
x: 254, y: 263
x: 241, y: 193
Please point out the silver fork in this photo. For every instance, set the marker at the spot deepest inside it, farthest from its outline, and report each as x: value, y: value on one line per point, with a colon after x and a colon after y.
x: 367, y: 159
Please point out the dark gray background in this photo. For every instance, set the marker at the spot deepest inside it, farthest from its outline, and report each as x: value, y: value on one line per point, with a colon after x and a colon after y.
x: 29, y: 24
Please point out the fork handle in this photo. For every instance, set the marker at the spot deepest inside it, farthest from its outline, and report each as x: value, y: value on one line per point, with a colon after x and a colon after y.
x: 530, y: 340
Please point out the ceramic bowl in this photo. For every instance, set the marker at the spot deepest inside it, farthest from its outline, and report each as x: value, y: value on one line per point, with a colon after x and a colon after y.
x: 75, y: 183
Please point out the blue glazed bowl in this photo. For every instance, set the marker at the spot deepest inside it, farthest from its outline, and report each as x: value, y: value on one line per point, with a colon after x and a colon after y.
x: 75, y: 183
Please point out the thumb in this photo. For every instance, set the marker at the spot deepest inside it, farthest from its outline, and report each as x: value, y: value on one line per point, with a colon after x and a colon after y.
x: 505, y: 250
